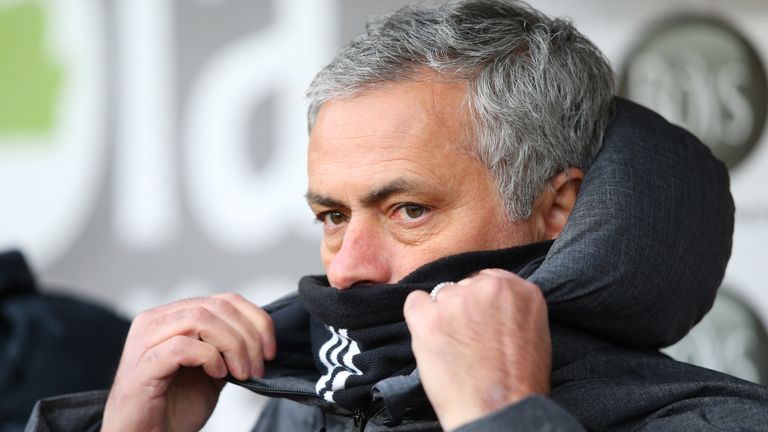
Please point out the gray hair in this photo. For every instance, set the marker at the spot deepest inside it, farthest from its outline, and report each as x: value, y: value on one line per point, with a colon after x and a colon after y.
x: 539, y: 92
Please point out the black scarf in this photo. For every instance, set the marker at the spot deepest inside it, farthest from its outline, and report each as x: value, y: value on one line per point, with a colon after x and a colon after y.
x: 359, y: 335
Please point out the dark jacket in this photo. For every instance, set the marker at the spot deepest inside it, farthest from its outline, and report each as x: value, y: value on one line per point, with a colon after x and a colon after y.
x: 596, y: 385
x: 637, y: 265
x: 49, y: 343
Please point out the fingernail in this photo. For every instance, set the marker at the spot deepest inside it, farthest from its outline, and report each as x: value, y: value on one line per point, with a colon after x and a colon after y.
x: 258, y: 370
x: 270, y: 350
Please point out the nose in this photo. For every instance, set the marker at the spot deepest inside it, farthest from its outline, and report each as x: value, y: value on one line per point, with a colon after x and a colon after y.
x: 361, y: 258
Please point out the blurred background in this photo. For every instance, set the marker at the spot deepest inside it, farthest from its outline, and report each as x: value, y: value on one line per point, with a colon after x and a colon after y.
x: 152, y: 150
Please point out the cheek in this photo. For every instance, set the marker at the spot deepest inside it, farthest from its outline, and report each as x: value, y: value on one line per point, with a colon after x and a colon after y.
x: 494, y: 233
x: 513, y: 234
x: 406, y: 260
x: 326, y: 255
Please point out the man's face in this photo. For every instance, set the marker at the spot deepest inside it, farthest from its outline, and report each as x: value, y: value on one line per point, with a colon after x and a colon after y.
x: 393, y: 181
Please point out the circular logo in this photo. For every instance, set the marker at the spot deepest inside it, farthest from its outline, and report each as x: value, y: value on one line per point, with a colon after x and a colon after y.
x: 700, y: 73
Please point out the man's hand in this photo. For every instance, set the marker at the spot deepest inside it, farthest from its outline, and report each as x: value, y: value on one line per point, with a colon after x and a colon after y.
x: 175, y: 356
x: 481, y: 345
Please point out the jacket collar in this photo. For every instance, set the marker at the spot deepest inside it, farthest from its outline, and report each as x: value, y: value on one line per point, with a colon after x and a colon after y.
x: 293, y: 373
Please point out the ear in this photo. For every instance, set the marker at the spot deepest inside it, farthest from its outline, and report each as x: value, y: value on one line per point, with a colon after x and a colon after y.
x: 554, y: 205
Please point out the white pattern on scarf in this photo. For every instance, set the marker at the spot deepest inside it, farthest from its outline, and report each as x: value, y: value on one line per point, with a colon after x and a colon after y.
x: 338, y: 368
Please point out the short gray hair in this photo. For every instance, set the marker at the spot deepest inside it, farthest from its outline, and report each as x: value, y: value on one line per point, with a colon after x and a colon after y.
x: 539, y: 92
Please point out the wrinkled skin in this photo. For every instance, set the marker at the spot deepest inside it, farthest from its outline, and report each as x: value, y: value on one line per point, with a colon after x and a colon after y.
x: 175, y: 356
x: 490, y: 335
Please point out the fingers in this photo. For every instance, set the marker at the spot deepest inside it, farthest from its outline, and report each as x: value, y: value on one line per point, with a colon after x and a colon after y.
x: 260, y: 320
x: 419, y: 302
x: 482, y: 283
x: 492, y: 273
x: 493, y: 318
x: 198, y: 322
x: 175, y: 356
x: 165, y: 358
x: 415, y: 303
x: 240, y: 331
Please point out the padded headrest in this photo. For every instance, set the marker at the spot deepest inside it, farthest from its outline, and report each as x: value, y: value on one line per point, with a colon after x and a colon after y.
x: 646, y: 246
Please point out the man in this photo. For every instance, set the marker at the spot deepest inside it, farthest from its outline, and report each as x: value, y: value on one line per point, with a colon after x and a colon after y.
x: 447, y: 147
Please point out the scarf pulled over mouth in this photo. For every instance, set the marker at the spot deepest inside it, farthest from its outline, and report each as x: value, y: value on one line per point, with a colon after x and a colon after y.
x: 359, y: 335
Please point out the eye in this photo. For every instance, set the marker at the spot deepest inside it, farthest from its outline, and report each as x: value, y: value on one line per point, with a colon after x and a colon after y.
x: 411, y: 212
x: 332, y: 219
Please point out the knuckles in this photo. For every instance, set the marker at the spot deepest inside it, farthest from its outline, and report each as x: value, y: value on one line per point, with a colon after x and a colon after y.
x: 142, y: 319
x: 491, y: 289
x: 199, y: 309
x: 177, y: 347
x: 499, y: 284
x: 195, y: 314
x: 174, y: 349
x: 221, y: 305
x: 189, y: 318
x: 231, y: 297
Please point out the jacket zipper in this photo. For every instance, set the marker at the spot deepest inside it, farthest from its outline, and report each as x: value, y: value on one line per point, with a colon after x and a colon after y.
x: 275, y: 391
x: 358, y: 416
x: 359, y: 420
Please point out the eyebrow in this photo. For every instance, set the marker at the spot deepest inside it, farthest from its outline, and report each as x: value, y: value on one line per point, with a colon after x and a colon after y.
x: 377, y: 195
x: 317, y: 199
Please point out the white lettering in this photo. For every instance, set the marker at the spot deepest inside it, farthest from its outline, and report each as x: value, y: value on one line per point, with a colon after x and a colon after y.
x: 145, y: 197
x: 710, y: 103
x: 238, y: 207
x: 738, y: 119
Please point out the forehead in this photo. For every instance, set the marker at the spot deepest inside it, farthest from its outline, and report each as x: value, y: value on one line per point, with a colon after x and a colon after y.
x: 412, y: 134
x: 427, y: 116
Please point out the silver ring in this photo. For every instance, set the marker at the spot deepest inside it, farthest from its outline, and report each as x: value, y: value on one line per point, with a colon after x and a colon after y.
x: 436, y: 290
